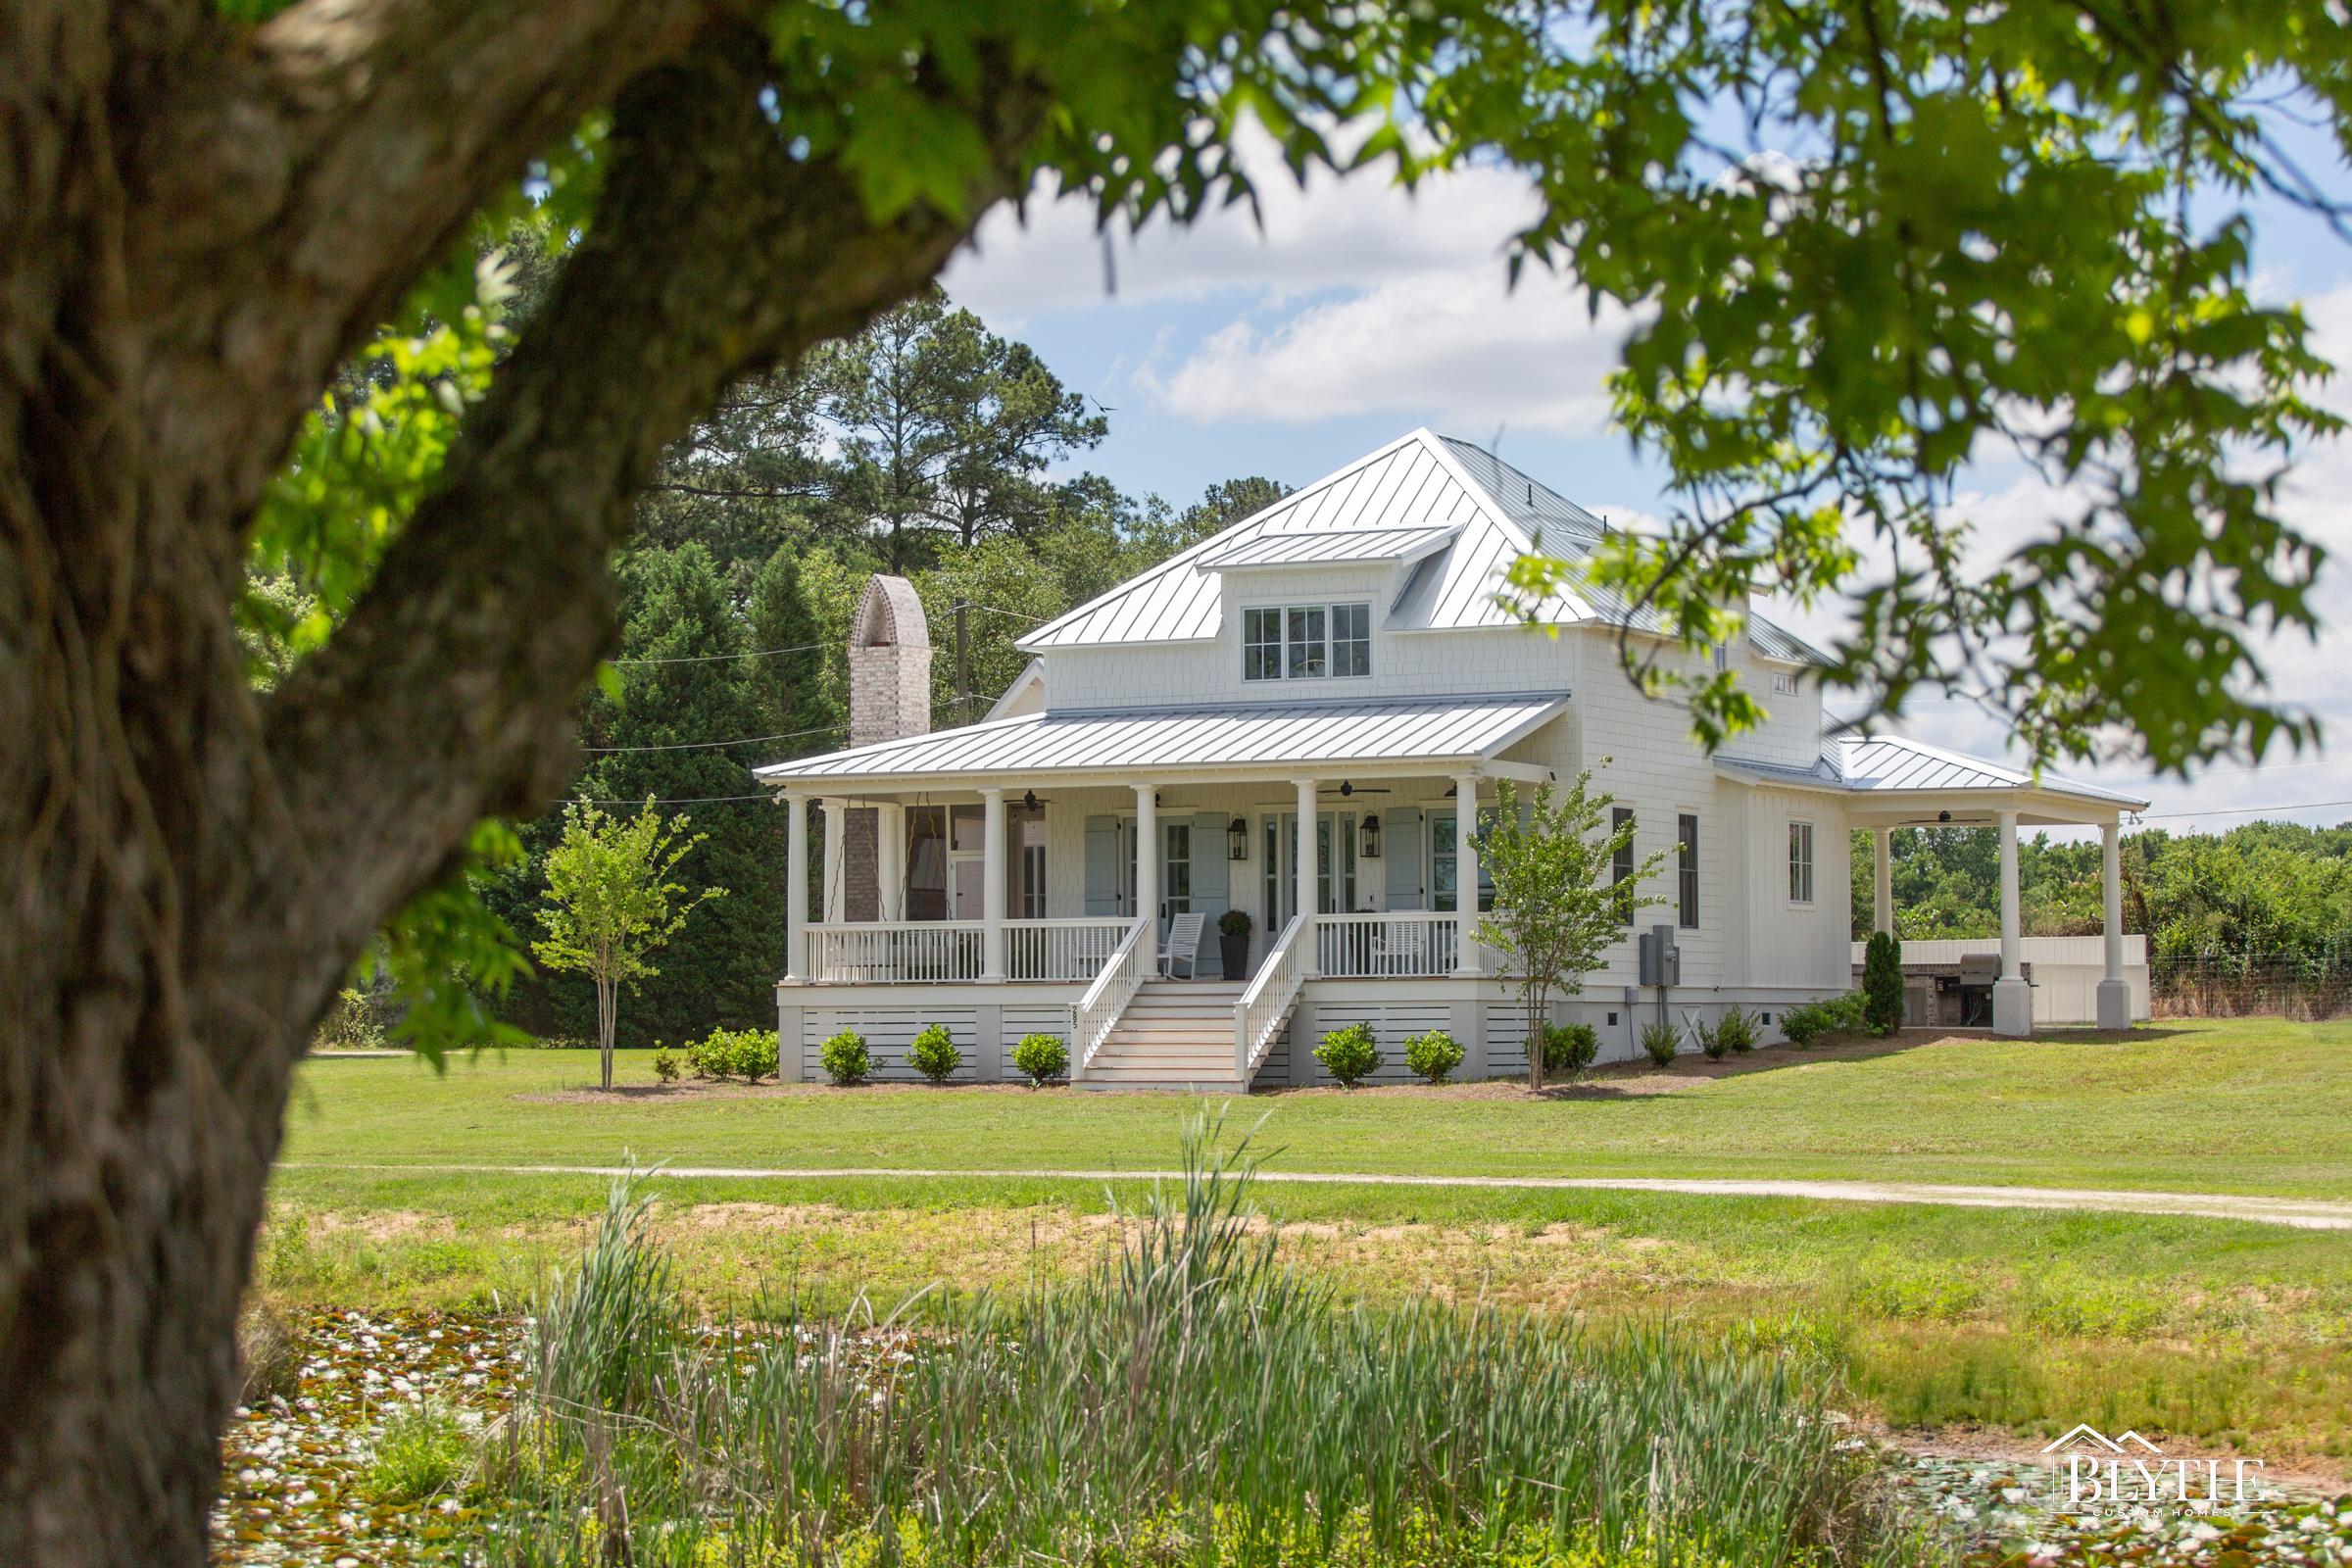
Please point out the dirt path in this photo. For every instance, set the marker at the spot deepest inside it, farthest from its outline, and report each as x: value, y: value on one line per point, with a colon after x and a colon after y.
x: 2302, y: 1213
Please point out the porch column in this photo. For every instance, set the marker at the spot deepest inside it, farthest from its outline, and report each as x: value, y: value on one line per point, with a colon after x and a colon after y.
x: 992, y: 887
x: 890, y: 858
x: 837, y: 893
x: 1469, y: 959
x: 2115, y: 993
x: 2012, y: 998
x: 1302, y: 870
x: 1146, y: 859
x: 796, y: 887
x: 1881, y: 884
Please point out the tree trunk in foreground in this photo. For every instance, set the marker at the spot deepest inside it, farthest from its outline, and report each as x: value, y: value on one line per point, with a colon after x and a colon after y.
x: 201, y: 221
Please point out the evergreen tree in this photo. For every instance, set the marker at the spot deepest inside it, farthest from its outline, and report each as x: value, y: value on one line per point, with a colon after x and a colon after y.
x: 1881, y: 985
x: 791, y: 674
x: 683, y: 685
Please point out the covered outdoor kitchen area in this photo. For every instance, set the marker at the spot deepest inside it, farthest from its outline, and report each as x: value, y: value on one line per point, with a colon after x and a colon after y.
x: 1889, y: 783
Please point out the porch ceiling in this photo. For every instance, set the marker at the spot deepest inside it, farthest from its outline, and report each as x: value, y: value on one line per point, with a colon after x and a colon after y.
x: 1238, y: 741
x: 1889, y: 781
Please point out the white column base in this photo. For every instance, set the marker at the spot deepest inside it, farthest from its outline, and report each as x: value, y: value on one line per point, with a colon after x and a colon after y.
x: 2012, y: 1008
x: 2115, y: 1005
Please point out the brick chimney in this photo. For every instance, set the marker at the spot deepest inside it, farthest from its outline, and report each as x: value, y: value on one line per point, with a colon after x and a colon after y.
x: 889, y: 663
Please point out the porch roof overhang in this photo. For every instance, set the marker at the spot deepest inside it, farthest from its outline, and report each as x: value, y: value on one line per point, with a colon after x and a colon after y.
x: 1889, y: 781
x: 1237, y: 742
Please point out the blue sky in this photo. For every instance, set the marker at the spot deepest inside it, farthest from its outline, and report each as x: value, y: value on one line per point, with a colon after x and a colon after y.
x: 1359, y: 312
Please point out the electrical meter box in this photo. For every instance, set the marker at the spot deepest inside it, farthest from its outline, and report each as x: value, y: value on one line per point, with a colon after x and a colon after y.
x: 1661, y: 959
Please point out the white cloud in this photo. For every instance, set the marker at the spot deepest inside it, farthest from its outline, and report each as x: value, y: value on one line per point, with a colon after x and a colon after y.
x: 1353, y: 232
x: 1449, y: 343
x: 1355, y: 296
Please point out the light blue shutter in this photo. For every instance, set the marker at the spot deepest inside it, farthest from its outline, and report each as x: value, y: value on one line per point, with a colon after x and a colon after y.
x: 1212, y: 886
x: 1101, y: 865
x: 1211, y: 891
x: 1401, y: 843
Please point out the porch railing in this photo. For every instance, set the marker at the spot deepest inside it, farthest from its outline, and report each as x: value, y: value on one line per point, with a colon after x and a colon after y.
x: 878, y: 953
x: 1060, y: 949
x: 1258, y: 1016
x: 1393, y: 945
x: 1098, y: 1012
x: 904, y: 952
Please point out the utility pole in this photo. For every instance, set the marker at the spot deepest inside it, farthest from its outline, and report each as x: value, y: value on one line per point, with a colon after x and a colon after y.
x: 964, y: 673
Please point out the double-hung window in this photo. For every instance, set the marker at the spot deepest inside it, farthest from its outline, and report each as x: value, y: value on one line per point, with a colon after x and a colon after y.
x: 1262, y: 644
x: 1621, y: 864
x: 1306, y: 642
x: 1800, y: 862
x: 1351, y: 639
x: 1685, y: 835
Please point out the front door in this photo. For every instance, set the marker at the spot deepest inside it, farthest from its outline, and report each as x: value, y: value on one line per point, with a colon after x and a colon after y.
x: 1443, y: 894
x: 1335, y: 865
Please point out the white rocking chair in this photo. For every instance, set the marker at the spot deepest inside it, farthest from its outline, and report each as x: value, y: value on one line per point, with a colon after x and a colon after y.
x: 1397, y: 951
x: 1182, y: 947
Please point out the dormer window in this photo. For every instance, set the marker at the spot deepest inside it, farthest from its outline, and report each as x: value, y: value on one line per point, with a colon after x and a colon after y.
x: 1306, y: 642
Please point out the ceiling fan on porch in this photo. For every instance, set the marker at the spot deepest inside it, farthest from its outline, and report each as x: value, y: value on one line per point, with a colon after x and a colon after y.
x: 1030, y: 802
x: 1346, y: 790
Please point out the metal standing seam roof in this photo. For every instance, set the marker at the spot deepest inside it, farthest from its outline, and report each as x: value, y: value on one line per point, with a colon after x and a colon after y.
x: 1164, y: 739
x: 1420, y: 481
x: 1776, y: 642
x: 1885, y: 763
x: 1416, y: 481
x: 1328, y: 546
x: 1893, y: 763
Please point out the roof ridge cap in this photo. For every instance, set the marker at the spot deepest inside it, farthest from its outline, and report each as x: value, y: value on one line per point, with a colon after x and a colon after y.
x: 1186, y: 554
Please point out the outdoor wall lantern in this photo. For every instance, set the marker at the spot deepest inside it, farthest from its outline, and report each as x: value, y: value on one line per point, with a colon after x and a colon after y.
x: 1367, y: 837
x: 1237, y: 841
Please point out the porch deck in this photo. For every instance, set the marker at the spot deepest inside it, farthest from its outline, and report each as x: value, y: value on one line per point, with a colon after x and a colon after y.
x: 1099, y: 984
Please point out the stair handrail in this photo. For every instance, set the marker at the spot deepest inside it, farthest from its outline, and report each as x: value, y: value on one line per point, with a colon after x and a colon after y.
x: 1267, y: 1001
x: 1098, y: 1012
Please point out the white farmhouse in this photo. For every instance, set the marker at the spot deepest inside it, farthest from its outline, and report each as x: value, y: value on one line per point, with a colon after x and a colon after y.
x: 1298, y: 719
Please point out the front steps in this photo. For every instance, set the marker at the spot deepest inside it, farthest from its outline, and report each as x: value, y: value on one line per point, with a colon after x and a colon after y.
x: 1176, y: 1034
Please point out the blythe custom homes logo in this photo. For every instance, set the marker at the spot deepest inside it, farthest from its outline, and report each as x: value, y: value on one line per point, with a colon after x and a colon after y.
x: 2130, y: 1472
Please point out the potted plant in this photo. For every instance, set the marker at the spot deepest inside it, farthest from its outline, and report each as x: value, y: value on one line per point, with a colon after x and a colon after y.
x: 1233, y: 943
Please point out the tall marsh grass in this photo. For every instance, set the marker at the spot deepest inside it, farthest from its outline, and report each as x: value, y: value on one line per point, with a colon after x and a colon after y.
x: 1193, y: 1399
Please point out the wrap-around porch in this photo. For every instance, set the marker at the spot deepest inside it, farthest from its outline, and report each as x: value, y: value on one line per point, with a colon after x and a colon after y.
x: 1065, y: 897
x: 1052, y: 855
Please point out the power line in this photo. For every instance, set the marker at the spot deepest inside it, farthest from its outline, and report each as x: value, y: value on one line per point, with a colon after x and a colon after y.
x: 688, y: 746
x: 679, y: 800
x: 704, y: 659
x: 2245, y: 810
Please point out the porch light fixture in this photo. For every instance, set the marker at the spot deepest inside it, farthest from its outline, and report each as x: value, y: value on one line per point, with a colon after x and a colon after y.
x: 1237, y: 840
x: 1367, y: 837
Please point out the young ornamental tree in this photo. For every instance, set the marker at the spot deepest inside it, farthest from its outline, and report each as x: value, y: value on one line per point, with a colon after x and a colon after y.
x: 609, y: 902
x: 1555, y: 907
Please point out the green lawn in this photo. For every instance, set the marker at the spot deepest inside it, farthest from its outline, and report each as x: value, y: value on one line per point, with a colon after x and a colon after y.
x: 2234, y: 1332
x: 2250, y: 1105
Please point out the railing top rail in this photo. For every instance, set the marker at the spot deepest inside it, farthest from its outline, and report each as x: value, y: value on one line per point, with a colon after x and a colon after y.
x: 1271, y: 966
x: 853, y: 927
x: 1386, y: 916
x: 1072, y: 921
x: 1109, y: 977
